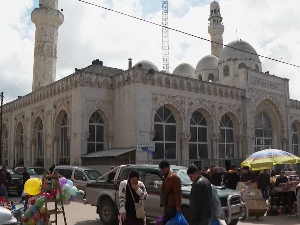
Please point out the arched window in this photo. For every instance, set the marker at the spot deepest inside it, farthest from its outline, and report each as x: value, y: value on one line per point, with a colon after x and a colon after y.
x: 226, y: 71
x: 199, y: 77
x: 165, y: 134
x: 64, y: 142
x: 40, y: 145
x: 256, y: 67
x: 242, y: 65
x: 226, y: 144
x: 95, y: 141
x: 198, y: 142
x: 263, y: 132
x: 21, y: 148
x: 295, y: 140
x: 211, y: 77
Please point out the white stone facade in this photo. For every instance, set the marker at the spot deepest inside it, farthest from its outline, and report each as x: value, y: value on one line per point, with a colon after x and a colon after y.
x: 127, y: 101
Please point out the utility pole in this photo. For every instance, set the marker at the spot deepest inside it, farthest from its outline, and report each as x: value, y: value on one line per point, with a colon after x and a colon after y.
x: 1, y: 126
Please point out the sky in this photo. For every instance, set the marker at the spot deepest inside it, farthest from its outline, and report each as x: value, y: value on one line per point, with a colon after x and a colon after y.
x: 272, y: 27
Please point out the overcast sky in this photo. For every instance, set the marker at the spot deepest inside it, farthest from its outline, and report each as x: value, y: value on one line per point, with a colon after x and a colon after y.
x: 272, y: 27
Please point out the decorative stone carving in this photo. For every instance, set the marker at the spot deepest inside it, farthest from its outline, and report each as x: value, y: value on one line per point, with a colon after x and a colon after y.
x: 198, y: 103
x: 185, y: 137
x: 265, y: 83
x: 103, y: 105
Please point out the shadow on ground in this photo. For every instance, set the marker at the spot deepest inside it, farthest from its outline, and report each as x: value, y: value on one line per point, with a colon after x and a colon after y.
x: 88, y: 222
x: 275, y: 220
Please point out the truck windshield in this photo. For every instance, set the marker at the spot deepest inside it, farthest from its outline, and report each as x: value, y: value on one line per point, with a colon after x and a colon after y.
x: 185, y: 180
x: 92, y: 174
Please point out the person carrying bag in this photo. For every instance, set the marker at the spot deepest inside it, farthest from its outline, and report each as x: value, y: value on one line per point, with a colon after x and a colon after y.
x: 132, y: 194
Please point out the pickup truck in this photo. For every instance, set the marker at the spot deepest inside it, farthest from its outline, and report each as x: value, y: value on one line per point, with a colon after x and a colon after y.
x: 104, y: 194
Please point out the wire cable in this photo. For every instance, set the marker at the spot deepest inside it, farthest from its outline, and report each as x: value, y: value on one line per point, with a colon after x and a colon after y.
x: 179, y: 31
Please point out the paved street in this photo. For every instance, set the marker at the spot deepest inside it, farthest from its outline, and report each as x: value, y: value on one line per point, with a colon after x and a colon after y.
x: 79, y: 214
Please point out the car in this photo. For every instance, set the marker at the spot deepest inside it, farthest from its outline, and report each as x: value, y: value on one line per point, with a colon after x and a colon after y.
x: 34, y: 172
x: 78, y: 174
x: 16, y: 185
x: 6, y: 217
x: 104, y: 194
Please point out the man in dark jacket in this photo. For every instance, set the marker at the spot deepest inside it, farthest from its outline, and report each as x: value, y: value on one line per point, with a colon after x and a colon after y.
x: 263, y: 183
x: 247, y: 176
x: 171, y: 196
x: 7, y: 176
x: 3, y: 191
x: 26, y: 176
x: 201, y: 202
x: 231, y: 178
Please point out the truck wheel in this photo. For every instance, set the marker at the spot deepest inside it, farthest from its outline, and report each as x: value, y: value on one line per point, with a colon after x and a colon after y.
x: 108, y: 213
x: 233, y: 222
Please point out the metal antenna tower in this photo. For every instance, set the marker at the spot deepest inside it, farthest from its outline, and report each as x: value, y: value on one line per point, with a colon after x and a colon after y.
x: 165, y: 35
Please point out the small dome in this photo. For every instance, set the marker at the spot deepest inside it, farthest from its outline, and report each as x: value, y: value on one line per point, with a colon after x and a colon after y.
x: 214, y: 3
x: 184, y: 69
x: 145, y: 64
x: 231, y: 52
x: 209, y: 62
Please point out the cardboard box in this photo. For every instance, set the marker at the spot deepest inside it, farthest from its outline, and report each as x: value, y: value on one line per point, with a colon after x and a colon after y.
x: 256, y: 204
x: 254, y: 194
x: 242, y: 185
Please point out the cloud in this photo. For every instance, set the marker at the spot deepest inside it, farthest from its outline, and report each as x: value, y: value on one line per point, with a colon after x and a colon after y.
x: 272, y: 27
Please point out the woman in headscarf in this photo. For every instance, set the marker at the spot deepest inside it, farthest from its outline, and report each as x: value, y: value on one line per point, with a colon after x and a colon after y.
x: 132, y: 191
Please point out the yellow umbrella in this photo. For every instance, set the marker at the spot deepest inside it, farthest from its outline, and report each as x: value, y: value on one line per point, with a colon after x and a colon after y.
x: 267, y: 158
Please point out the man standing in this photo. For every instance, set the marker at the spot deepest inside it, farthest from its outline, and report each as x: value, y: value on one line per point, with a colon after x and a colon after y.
x: 26, y: 177
x: 201, y: 201
x: 3, y: 191
x: 231, y: 178
x: 263, y: 183
x: 7, y: 176
x: 247, y: 176
x: 171, y: 196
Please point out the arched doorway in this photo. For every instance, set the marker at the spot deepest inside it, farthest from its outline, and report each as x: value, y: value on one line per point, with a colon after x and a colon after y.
x: 263, y: 132
x: 95, y: 141
x: 165, y: 134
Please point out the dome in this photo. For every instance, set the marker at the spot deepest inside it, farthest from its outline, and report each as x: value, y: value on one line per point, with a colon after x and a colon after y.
x: 214, y: 3
x: 184, y: 69
x: 230, y: 53
x: 146, y: 65
x: 209, y: 62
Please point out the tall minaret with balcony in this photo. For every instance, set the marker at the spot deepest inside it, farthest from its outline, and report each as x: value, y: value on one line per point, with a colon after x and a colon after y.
x: 216, y: 28
x: 47, y: 19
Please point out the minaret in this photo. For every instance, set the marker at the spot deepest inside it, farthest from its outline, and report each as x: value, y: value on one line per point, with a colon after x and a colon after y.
x: 47, y: 19
x: 215, y: 28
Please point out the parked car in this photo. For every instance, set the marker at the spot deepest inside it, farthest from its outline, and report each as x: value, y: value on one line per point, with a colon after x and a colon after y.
x: 16, y: 185
x: 34, y: 172
x: 6, y: 218
x: 104, y: 194
x: 78, y: 174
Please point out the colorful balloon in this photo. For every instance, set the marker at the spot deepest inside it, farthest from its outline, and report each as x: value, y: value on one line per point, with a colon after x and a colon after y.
x: 40, y: 202
x: 70, y: 183
x: 48, y: 195
x: 28, y: 214
x: 32, y: 201
x: 66, y: 196
x: 33, y: 186
x: 74, y: 198
x: 36, y: 216
x: 74, y: 190
x: 25, y: 219
x: 34, y: 209
x: 43, y: 210
x: 80, y: 194
x: 66, y: 188
x: 62, y: 181
x: 31, y: 221
x: 26, y: 223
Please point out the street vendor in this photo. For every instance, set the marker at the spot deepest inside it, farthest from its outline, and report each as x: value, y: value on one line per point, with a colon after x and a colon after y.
x: 282, y: 179
x: 247, y: 175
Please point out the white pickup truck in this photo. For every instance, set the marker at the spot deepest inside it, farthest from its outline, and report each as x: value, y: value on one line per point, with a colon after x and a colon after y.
x: 104, y: 194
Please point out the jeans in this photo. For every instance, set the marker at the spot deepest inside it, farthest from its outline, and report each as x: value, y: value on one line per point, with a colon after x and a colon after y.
x: 3, y: 192
x: 265, y: 193
x: 169, y: 213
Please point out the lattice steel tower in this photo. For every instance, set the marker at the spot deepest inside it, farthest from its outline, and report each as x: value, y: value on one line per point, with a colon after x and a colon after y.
x: 165, y: 35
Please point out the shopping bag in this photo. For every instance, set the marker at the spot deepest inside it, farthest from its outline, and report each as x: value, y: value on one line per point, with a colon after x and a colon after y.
x: 178, y: 220
x: 215, y: 222
x: 159, y: 220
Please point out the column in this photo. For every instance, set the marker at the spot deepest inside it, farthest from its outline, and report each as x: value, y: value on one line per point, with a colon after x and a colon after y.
x: 54, y: 156
x: 109, y: 138
x: 33, y: 153
x: 284, y: 144
x: 185, y: 159
x: 215, y: 146
x: 239, y: 148
x: 17, y: 143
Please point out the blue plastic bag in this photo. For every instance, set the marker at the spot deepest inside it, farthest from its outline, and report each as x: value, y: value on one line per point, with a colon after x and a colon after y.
x: 178, y: 220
